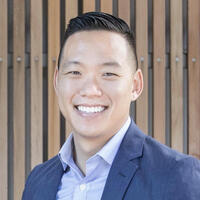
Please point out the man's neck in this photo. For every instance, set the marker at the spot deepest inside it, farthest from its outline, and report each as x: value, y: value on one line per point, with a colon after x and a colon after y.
x: 84, y: 149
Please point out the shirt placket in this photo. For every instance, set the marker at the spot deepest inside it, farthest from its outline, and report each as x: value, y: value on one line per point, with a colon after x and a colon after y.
x: 80, y: 192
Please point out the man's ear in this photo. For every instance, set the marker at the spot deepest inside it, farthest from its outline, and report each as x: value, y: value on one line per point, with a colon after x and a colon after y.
x: 55, y: 80
x: 137, y: 84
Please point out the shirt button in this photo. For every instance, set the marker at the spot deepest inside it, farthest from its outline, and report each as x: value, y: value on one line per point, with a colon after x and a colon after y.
x: 82, y: 187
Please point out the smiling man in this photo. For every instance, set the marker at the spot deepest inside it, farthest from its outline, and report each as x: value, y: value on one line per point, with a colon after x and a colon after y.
x: 107, y: 156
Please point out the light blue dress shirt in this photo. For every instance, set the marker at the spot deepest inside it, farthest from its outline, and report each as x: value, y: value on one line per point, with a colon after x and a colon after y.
x: 74, y: 185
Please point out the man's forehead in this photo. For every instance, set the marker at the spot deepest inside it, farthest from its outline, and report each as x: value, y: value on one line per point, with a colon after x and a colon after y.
x: 94, y: 35
x: 97, y: 41
x: 107, y: 46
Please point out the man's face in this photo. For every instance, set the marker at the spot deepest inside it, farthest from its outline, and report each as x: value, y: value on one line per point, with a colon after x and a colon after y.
x: 96, y: 83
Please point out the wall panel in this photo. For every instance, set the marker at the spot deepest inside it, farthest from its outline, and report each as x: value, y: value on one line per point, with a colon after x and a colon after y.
x: 106, y: 6
x: 3, y: 102
x: 36, y: 83
x: 176, y: 61
x: 159, y: 69
x: 53, y: 51
x: 124, y: 10
x: 142, y: 53
x: 194, y: 76
x: 19, y: 96
x: 71, y: 9
x: 88, y: 5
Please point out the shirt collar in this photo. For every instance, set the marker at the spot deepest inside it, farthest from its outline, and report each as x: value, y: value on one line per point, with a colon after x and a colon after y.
x: 107, y: 152
x: 65, y: 153
x: 110, y: 149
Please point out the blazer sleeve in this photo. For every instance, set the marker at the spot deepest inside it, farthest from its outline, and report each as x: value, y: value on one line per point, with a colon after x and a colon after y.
x: 184, y: 180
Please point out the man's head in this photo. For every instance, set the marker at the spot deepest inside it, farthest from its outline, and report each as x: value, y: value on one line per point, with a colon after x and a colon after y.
x: 97, y: 78
x: 99, y: 21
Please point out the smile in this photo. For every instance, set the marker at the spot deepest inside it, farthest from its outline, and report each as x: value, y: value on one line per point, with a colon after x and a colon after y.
x: 91, y: 109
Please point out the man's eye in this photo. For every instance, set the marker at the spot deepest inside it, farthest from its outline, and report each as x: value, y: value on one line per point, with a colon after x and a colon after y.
x: 74, y: 73
x: 109, y: 74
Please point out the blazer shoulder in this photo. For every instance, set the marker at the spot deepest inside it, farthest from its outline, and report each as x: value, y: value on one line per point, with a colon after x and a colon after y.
x: 162, y: 155
x: 184, y: 179
x: 153, y: 153
x: 43, y: 170
x: 43, y: 181
x: 176, y: 174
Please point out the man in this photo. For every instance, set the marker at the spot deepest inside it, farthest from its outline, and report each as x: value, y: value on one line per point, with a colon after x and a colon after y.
x: 107, y: 156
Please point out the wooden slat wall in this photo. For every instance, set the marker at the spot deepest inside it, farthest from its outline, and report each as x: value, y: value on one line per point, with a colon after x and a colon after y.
x: 53, y: 50
x: 106, y: 6
x: 71, y: 9
x: 176, y: 35
x: 36, y: 83
x: 88, y: 5
x: 142, y: 53
x: 19, y: 97
x: 194, y: 76
x: 156, y: 58
x: 124, y: 10
x: 3, y: 101
x: 159, y: 70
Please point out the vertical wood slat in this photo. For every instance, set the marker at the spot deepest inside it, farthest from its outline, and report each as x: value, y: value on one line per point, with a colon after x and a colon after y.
x: 159, y: 70
x: 142, y: 53
x: 71, y: 11
x: 19, y: 97
x: 53, y: 50
x: 106, y: 6
x: 3, y: 102
x: 88, y: 5
x: 176, y: 62
x: 124, y: 10
x: 36, y: 83
x: 194, y: 77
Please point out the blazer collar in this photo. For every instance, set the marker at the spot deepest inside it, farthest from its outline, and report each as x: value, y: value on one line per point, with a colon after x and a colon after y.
x: 125, y: 164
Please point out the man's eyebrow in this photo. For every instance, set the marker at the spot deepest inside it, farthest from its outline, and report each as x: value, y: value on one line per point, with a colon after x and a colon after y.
x: 71, y: 62
x: 74, y: 62
x: 111, y: 63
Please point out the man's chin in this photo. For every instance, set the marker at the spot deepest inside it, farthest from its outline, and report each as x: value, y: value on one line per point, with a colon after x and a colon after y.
x: 86, y: 132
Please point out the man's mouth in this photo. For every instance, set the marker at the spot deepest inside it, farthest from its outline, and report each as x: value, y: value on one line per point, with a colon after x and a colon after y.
x: 91, y: 109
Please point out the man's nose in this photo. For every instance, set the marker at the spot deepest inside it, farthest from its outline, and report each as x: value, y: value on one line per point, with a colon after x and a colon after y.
x: 91, y: 88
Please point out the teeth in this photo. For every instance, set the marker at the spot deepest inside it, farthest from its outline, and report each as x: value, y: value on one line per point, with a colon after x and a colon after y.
x: 91, y: 109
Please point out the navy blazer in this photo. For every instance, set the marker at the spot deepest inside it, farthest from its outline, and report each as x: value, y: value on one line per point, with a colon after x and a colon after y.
x: 143, y: 169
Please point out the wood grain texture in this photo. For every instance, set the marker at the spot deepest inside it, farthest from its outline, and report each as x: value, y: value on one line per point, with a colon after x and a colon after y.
x: 106, y: 6
x: 124, y: 10
x: 142, y: 53
x: 176, y: 36
x: 19, y: 97
x: 194, y: 77
x: 3, y: 102
x: 88, y: 5
x: 159, y: 97
x: 53, y: 51
x: 36, y: 83
x: 71, y: 9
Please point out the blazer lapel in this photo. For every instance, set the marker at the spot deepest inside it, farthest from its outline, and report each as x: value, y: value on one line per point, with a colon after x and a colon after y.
x: 125, y: 164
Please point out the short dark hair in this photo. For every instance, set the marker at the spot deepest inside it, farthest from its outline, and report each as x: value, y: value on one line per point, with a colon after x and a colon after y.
x: 99, y: 21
